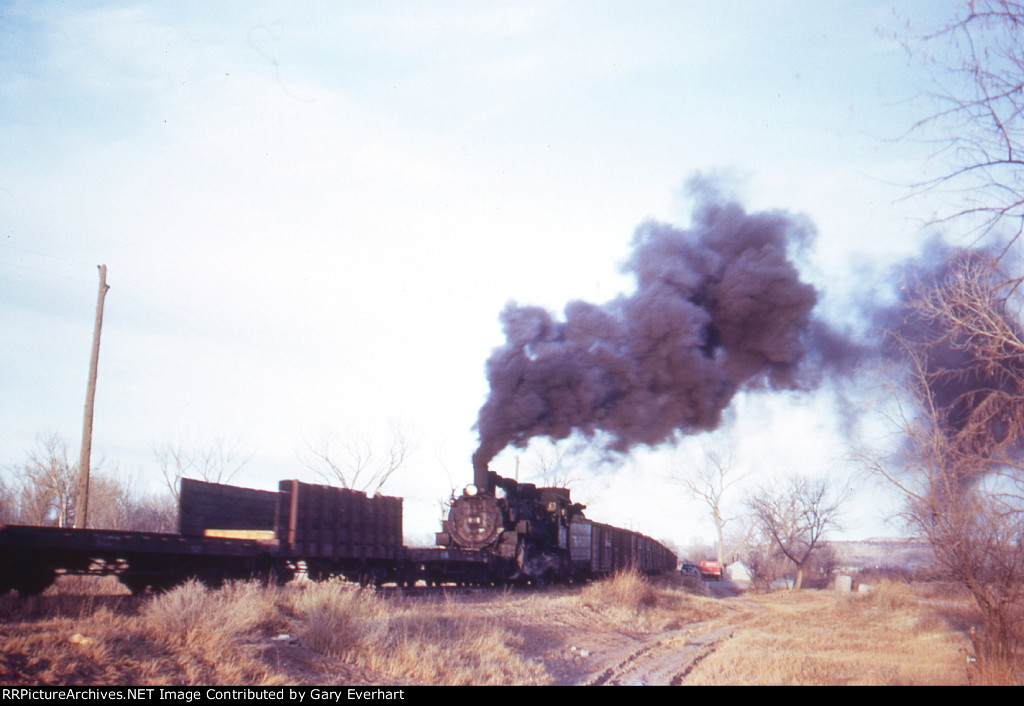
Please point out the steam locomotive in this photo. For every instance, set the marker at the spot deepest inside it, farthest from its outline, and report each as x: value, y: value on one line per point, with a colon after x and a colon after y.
x: 539, y: 534
x: 497, y: 531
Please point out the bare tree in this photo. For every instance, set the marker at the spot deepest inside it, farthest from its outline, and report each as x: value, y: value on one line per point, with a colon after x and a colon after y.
x: 119, y: 504
x: 49, y: 483
x: 357, y: 461
x: 711, y: 482
x: 960, y: 408
x: 155, y: 512
x: 974, y: 523
x: 43, y: 491
x: 218, y: 462
x: 762, y: 558
x: 8, y: 503
x: 824, y: 561
x: 112, y: 502
x: 960, y: 469
x: 978, y: 119
x: 965, y: 352
x: 553, y: 464
x: 795, y: 514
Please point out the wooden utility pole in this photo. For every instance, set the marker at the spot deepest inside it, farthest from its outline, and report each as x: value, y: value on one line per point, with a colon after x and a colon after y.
x: 82, y: 502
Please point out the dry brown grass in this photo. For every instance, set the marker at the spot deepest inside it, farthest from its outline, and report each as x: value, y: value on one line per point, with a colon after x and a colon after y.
x: 886, y: 595
x: 942, y: 606
x: 195, y: 635
x: 809, y: 637
x: 208, y: 632
x: 191, y: 635
x: 68, y: 596
x: 639, y: 604
x: 336, y: 619
x: 996, y: 672
x: 436, y: 642
x: 629, y: 592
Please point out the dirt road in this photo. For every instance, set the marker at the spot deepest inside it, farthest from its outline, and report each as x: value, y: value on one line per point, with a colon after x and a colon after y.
x: 579, y: 646
x: 660, y: 661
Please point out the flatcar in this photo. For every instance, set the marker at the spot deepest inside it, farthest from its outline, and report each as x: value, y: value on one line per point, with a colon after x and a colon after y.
x: 225, y: 532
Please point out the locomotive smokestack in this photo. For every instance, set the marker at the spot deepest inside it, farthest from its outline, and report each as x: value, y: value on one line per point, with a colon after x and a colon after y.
x: 481, y: 478
x: 717, y: 308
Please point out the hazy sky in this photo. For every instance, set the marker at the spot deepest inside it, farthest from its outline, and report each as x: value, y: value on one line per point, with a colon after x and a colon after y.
x: 312, y: 213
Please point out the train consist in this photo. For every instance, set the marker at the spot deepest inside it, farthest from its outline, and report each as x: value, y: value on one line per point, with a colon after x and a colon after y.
x: 498, y: 531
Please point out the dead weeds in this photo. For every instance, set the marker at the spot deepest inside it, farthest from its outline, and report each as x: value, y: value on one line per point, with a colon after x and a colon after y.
x: 824, y: 638
x: 306, y: 633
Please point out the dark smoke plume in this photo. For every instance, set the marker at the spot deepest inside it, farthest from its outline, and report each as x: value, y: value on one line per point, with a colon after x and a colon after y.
x: 717, y: 307
x: 965, y: 348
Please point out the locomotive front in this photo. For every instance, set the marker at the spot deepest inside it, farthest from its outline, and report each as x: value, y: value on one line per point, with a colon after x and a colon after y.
x: 475, y: 521
x: 524, y: 531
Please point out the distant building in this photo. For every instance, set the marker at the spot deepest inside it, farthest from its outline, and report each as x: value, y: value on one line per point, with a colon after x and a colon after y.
x: 737, y: 571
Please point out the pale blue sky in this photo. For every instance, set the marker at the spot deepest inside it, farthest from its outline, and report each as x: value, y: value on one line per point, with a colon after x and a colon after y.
x: 312, y: 213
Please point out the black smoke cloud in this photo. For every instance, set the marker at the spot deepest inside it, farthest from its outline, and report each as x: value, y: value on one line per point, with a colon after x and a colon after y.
x: 717, y: 308
x: 955, y: 331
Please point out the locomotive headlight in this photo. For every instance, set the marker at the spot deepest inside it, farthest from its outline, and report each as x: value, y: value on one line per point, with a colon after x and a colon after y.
x: 471, y: 490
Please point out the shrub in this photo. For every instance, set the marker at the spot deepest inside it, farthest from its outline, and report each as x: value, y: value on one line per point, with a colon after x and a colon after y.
x: 421, y: 640
x: 339, y: 620
x: 627, y: 591
x: 206, y: 630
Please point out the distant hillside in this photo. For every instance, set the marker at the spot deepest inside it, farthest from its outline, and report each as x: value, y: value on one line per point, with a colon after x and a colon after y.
x: 883, y: 551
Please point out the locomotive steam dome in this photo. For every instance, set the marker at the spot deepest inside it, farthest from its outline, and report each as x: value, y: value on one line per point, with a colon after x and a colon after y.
x: 474, y: 521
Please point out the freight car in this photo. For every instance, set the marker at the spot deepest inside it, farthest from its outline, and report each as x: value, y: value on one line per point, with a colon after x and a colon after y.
x: 227, y: 532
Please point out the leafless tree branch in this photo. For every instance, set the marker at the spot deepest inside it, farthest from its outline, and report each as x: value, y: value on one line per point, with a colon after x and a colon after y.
x: 357, y: 461
x: 796, y: 514
x: 978, y: 123
x: 959, y: 467
x: 711, y: 482
x: 217, y: 462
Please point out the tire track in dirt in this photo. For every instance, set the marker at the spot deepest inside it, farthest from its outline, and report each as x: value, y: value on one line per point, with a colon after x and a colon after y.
x: 579, y: 645
x: 665, y: 660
